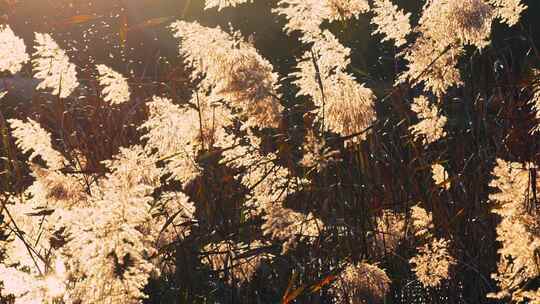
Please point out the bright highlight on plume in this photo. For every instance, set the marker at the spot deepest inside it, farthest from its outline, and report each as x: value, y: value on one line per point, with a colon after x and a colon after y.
x: 13, y: 55
x: 115, y: 86
x: 52, y: 66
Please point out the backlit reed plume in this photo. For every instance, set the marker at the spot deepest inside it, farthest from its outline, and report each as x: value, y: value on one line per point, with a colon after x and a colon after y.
x: 344, y: 105
x: 391, y: 22
x: 30, y: 136
x: 173, y: 135
x: 422, y: 221
x: 115, y: 86
x: 52, y: 66
x: 13, y: 51
x: 518, y: 229
x: 444, y: 28
x: 440, y: 176
x: 430, y: 128
x: 509, y: 11
x: 307, y: 16
x: 221, y: 4
x: 432, y: 263
x: 361, y: 283
x: 233, y: 71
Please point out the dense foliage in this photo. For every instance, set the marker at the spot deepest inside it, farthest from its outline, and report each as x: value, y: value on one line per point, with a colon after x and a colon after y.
x: 318, y: 173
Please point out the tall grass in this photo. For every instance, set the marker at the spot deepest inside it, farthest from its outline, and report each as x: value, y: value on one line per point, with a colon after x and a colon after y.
x: 226, y: 177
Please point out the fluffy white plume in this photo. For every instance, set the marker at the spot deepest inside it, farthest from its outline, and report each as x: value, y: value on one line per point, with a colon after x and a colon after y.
x: 115, y: 86
x: 12, y: 51
x: 51, y: 65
